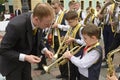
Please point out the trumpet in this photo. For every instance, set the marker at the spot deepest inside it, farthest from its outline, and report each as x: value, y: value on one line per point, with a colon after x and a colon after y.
x: 61, y: 60
x: 110, y: 69
x: 62, y: 45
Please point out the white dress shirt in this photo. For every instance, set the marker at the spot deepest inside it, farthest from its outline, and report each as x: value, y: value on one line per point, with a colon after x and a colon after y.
x: 86, y: 61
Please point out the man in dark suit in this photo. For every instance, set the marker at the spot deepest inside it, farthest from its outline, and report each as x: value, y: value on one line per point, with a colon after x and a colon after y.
x: 20, y: 47
x: 17, y: 12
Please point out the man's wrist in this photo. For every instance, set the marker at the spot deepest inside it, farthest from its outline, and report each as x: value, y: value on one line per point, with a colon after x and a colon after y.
x: 44, y: 50
x: 22, y: 57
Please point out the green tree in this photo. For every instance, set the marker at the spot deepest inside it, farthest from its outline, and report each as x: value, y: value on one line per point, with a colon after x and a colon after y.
x: 2, y: 1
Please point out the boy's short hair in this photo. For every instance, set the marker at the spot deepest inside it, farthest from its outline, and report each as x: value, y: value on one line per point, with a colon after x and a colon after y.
x: 71, y: 3
x: 55, y: 1
x: 91, y: 30
x: 98, y: 6
x: 71, y: 15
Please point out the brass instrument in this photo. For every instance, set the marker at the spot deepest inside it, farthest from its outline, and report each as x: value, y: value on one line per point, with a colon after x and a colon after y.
x: 102, y: 12
x: 73, y: 51
x: 90, y: 14
x: 116, y: 1
x: 110, y: 69
x: 62, y: 44
x: 103, y: 8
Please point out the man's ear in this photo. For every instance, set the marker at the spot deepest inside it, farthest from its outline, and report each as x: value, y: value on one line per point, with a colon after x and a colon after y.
x: 35, y: 20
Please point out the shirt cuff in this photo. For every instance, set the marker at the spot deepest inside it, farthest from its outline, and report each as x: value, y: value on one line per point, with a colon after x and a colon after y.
x: 60, y: 26
x: 43, y: 50
x: 22, y: 57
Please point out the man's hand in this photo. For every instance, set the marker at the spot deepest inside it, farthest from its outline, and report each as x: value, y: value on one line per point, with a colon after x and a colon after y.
x: 32, y: 59
x: 49, y: 54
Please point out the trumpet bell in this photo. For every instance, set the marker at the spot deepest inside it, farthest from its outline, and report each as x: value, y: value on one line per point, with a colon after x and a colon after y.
x: 46, y: 68
x: 55, y: 56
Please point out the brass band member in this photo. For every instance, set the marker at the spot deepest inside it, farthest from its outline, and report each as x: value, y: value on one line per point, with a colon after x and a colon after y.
x: 88, y: 60
x: 75, y: 37
x: 108, y: 34
x: 116, y: 24
x: 81, y: 13
x: 59, y: 30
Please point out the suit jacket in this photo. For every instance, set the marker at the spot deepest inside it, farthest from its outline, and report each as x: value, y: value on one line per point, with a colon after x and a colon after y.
x: 18, y: 39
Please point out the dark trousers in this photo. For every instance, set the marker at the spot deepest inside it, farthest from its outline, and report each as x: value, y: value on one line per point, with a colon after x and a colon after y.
x: 63, y: 68
x: 20, y: 73
x: 81, y: 77
x: 74, y: 73
x: 108, y: 37
x: 56, y: 43
x: 43, y: 62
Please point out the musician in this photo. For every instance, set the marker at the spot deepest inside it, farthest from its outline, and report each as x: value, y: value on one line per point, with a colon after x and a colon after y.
x: 88, y: 60
x: 71, y: 5
x: 116, y: 25
x: 81, y: 14
x: 108, y: 33
x: 96, y: 19
x: 58, y: 31
x: 90, y: 16
x: 22, y: 43
x: 74, y: 37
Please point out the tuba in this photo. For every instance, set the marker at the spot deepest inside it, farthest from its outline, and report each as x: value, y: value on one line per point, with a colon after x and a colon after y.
x: 62, y: 60
x: 111, y: 69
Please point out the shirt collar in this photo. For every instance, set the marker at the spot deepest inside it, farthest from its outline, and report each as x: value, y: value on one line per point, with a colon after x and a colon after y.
x: 33, y: 27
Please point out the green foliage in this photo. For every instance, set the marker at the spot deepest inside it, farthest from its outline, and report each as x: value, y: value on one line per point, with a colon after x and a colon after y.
x: 2, y: 1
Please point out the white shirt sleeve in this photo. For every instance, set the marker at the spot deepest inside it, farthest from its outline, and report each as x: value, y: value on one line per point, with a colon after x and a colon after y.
x: 43, y: 50
x: 96, y: 22
x: 64, y: 27
x: 87, y: 60
x: 80, y: 41
x: 22, y: 57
